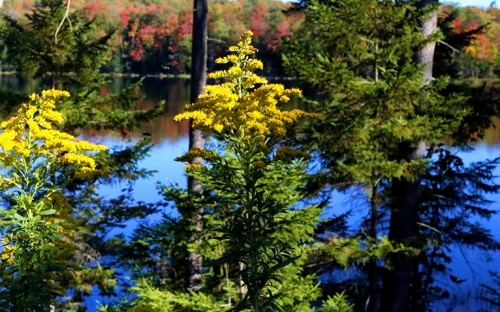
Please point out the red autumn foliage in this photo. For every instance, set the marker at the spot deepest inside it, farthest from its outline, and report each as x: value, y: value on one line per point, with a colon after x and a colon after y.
x: 471, y: 25
x: 457, y: 25
x: 124, y: 18
x: 258, y: 20
x: 146, y: 27
x: 185, y: 24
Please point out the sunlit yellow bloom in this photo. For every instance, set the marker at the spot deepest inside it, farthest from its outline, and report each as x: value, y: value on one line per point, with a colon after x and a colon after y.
x: 192, y: 167
x: 7, y: 252
x: 7, y: 140
x: 245, y: 100
x: 31, y: 133
x: 30, y: 141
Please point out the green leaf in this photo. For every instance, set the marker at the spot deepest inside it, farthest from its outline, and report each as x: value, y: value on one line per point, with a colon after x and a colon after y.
x: 47, y: 212
x: 19, y: 217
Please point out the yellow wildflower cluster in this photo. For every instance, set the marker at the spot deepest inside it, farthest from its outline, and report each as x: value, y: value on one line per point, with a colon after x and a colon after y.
x: 31, y: 133
x: 192, y: 167
x: 7, y: 250
x: 244, y: 100
x: 197, y: 152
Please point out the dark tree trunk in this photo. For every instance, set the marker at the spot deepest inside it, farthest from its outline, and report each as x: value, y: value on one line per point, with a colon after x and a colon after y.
x: 403, y: 226
x: 196, y: 137
x: 373, y: 266
x: 406, y: 198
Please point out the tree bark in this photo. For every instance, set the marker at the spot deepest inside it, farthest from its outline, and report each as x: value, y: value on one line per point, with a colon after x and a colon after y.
x: 196, y: 136
x: 242, y: 288
x: 406, y: 197
x: 425, y: 56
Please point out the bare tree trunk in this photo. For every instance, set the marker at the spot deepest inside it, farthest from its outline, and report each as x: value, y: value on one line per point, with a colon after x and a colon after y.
x: 426, y: 55
x: 196, y: 136
x: 404, y: 215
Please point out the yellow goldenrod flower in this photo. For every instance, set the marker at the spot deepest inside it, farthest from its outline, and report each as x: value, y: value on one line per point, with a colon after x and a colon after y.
x: 31, y: 133
x: 195, y: 153
x: 192, y: 167
x: 245, y: 100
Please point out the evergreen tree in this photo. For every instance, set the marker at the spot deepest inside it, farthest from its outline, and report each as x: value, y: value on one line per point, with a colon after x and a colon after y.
x: 364, y: 62
x: 66, y: 48
x: 406, y: 191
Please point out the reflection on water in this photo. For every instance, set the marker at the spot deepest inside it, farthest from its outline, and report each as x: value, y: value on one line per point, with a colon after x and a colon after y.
x: 492, y: 137
x: 175, y: 93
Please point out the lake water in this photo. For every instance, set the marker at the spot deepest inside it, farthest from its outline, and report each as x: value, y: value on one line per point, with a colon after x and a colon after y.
x: 170, y: 139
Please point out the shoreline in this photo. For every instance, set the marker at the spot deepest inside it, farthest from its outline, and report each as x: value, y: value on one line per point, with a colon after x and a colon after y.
x: 160, y: 76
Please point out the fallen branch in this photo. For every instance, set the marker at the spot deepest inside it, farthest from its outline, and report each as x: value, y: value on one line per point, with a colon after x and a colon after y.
x: 449, y: 46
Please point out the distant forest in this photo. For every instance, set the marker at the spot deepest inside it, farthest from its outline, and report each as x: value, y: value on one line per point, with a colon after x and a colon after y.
x: 154, y: 36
